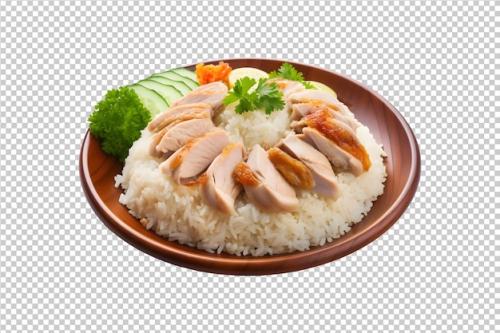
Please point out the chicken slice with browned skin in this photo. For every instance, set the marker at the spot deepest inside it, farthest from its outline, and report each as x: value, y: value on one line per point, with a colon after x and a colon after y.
x: 180, y: 113
x: 335, y: 139
x: 294, y: 171
x: 288, y: 87
x: 194, y: 158
x: 339, y: 133
x: 177, y: 136
x: 313, y: 95
x: 211, y: 93
x: 325, y: 181
x: 263, y: 184
x: 244, y: 175
x: 340, y: 159
x: 300, y: 110
x: 218, y: 186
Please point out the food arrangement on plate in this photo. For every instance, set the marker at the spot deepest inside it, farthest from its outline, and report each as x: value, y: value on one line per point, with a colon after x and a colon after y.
x: 240, y: 161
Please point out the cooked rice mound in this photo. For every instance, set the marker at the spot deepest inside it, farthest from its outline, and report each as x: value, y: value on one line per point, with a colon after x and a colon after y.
x: 179, y: 213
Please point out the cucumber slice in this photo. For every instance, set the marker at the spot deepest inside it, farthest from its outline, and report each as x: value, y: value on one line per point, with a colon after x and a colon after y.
x: 186, y: 73
x: 151, y: 99
x: 174, y: 76
x: 169, y: 93
x: 179, y: 85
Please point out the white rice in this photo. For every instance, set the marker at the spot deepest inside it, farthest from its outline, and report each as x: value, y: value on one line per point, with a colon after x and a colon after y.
x: 179, y: 213
x: 251, y: 128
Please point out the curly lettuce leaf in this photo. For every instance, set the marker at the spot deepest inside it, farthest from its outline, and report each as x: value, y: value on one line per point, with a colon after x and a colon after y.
x: 117, y: 121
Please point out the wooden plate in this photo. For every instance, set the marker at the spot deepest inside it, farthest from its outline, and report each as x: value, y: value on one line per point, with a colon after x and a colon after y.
x: 97, y: 172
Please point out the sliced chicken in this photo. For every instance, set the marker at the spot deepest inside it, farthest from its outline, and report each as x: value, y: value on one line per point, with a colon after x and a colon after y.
x: 288, y: 87
x: 341, y: 134
x: 178, y: 135
x: 313, y: 95
x: 180, y: 113
x: 264, y: 185
x: 218, y: 186
x: 341, y: 160
x: 325, y: 182
x: 244, y: 175
x: 155, y: 140
x: 211, y: 93
x: 294, y: 171
x: 192, y: 159
x: 300, y: 110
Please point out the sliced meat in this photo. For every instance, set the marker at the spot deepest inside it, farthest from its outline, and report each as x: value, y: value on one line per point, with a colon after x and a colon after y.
x: 341, y: 134
x: 155, y: 140
x: 313, y: 95
x: 178, y: 135
x: 325, y: 182
x: 211, y: 93
x: 244, y: 175
x: 288, y: 87
x: 294, y: 171
x: 219, y: 188
x: 264, y: 185
x: 180, y: 113
x: 298, y: 125
x: 300, y: 110
x: 341, y: 160
x: 192, y: 159
x: 158, y: 136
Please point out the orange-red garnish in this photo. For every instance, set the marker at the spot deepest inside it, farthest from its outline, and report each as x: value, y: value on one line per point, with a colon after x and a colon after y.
x: 345, y: 139
x: 212, y: 73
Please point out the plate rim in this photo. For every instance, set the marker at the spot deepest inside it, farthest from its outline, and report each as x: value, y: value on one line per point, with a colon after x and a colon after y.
x: 248, y: 265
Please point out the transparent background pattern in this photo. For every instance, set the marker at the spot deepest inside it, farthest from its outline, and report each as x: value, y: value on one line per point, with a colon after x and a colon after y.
x: 62, y: 270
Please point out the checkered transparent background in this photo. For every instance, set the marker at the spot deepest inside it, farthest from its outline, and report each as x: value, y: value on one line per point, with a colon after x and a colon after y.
x: 62, y: 270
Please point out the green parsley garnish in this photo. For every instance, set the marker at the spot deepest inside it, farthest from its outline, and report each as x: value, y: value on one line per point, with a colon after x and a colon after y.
x: 287, y: 71
x: 117, y: 121
x: 266, y: 96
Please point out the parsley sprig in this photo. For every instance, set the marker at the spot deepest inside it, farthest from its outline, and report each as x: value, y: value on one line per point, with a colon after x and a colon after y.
x: 287, y: 71
x: 265, y: 96
x: 117, y: 121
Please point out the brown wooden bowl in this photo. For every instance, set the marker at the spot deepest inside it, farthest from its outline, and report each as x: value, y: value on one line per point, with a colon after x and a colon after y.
x: 97, y: 172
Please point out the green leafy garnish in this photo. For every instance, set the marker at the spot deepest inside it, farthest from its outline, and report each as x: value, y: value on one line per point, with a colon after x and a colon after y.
x: 265, y: 96
x: 117, y: 121
x: 288, y: 72
x: 240, y: 92
x: 270, y: 98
